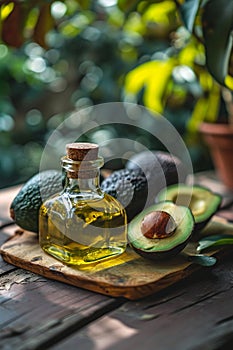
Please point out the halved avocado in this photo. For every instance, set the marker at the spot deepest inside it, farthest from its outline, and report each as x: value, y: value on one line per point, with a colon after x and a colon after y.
x: 202, y: 202
x: 164, y: 247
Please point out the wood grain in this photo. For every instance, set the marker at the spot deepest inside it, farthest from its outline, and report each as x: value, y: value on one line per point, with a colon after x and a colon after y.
x: 35, y: 312
x: 128, y: 275
x: 132, y: 276
x: 196, y: 313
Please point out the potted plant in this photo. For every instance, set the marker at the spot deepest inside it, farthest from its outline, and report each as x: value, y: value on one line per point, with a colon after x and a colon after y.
x: 211, y: 23
x: 216, y: 21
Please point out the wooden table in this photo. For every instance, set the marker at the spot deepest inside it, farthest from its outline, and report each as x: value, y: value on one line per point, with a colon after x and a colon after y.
x: 37, y: 313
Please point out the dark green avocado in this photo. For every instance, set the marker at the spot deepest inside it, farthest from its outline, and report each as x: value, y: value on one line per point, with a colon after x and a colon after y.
x: 145, y: 175
x: 156, y: 244
x: 202, y: 202
x: 25, y: 207
x: 129, y: 187
x: 165, y: 168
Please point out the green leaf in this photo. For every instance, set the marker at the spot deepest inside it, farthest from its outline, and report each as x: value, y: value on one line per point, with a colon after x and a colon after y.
x: 153, y: 77
x: 85, y: 4
x: 188, y: 13
x: 190, y: 252
x: 6, y: 9
x: 131, y: 5
x: 214, y: 241
x: 204, y: 2
x: 203, y: 260
x: 217, y: 21
x: 127, y: 5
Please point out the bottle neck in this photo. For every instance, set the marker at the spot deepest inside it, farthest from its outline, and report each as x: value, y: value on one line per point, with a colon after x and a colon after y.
x: 82, y: 176
x: 89, y: 184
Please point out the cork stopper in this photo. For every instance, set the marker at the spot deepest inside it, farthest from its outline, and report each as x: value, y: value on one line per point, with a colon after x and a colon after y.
x: 82, y: 153
x: 79, y: 151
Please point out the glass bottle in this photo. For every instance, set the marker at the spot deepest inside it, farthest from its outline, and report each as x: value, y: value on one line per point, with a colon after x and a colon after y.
x: 82, y: 225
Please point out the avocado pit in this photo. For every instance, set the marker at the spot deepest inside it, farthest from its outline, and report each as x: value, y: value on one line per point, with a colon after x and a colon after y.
x: 158, y: 224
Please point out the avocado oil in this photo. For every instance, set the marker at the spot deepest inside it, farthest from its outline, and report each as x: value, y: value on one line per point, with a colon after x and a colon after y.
x: 82, y: 225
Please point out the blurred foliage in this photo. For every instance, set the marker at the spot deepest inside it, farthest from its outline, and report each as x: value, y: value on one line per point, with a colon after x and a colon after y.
x: 60, y: 56
x: 212, y: 22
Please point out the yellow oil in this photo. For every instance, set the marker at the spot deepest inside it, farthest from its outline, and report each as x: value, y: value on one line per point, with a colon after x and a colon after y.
x: 81, y: 231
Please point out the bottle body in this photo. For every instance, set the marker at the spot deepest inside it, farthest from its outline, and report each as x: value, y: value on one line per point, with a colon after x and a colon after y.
x: 82, y: 225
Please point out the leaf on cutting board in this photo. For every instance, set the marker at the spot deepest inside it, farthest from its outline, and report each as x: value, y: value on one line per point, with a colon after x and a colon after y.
x: 203, y: 260
x: 214, y: 241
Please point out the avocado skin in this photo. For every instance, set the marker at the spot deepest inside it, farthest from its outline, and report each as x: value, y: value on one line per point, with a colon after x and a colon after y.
x: 146, y: 174
x: 25, y: 207
x: 162, y: 255
x: 200, y: 225
x: 129, y: 187
x: 151, y: 162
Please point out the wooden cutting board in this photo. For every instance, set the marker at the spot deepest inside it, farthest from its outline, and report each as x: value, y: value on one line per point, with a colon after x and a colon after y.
x: 128, y: 275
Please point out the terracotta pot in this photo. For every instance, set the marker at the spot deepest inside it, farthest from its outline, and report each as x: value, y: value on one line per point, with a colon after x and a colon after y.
x: 219, y: 138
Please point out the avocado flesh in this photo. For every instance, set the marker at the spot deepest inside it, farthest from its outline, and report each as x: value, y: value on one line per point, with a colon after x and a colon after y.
x: 202, y: 202
x: 174, y: 243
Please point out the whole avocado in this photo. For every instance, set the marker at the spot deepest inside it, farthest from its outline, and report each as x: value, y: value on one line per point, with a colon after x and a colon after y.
x: 146, y: 174
x: 160, y: 168
x: 129, y: 187
x: 158, y: 163
x: 25, y: 207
